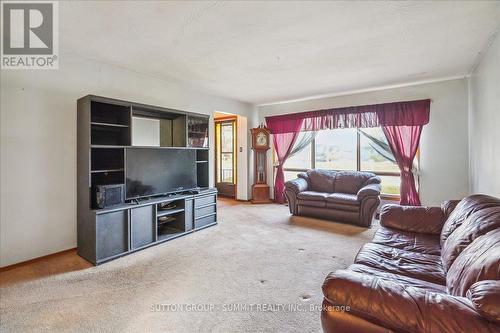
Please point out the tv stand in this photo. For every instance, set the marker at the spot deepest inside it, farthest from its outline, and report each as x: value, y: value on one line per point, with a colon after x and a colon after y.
x: 104, y: 131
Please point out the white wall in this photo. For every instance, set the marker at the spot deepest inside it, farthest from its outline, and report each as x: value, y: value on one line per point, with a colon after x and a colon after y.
x: 485, y: 123
x: 38, y: 145
x: 444, y: 141
x: 242, y: 158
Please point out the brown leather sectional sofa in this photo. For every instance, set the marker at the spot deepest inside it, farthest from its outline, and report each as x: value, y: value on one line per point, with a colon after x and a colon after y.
x: 344, y: 196
x: 431, y: 270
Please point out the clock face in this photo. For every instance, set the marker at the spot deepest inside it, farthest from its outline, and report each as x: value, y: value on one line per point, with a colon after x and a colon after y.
x: 261, y: 139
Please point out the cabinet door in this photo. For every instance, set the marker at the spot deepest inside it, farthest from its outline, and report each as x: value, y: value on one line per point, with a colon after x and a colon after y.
x: 143, y: 226
x: 111, y: 234
x: 197, y: 132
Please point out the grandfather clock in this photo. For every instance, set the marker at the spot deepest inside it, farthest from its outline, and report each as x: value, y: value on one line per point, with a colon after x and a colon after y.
x: 260, y: 146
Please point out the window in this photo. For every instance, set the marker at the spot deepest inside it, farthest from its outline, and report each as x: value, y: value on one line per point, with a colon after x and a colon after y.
x: 225, y: 151
x: 364, y: 149
x: 336, y: 149
x: 375, y: 152
x: 301, y: 160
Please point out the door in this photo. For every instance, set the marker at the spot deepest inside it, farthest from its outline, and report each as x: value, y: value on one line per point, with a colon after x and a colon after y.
x: 143, y: 226
x: 225, y: 157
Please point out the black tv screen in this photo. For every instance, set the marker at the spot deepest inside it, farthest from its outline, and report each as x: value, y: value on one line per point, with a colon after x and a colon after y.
x: 151, y: 171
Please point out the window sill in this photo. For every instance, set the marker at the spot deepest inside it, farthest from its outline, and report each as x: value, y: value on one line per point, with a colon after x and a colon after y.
x: 390, y: 197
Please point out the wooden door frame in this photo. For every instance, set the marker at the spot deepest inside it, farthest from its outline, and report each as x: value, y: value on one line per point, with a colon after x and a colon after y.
x: 232, y: 118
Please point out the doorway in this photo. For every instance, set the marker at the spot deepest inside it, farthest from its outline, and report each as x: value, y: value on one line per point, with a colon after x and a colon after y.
x: 225, y: 155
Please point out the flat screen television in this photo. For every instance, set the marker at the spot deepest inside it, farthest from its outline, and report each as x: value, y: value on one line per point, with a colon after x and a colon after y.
x: 153, y: 171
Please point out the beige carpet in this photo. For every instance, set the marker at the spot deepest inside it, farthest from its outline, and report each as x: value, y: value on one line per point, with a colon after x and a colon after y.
x: 257, y: 257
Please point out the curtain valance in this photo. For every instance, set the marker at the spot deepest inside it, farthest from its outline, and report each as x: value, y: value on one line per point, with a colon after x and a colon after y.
x: 409, y: 113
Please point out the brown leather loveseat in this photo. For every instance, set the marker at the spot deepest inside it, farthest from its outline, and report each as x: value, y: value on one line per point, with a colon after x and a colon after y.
x: 344, y: 196
x: 432, y: 270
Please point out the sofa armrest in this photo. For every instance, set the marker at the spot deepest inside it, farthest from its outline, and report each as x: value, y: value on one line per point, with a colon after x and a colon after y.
x: 485, y: 296
x: 296, y: 185
x: 369, y: 190
x: 402, y: 308
x: 424, y: 220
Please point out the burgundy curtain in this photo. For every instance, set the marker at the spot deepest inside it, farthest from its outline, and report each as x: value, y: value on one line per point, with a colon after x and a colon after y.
x: 402, y: 123
x: 284, y: 136
x: 404, y: 141
x: 408, y: 113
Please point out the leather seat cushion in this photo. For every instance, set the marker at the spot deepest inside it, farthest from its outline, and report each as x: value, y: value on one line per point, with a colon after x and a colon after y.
x: 408, y: 241
x: 312, y: 195
x: 420, y: 266
x: 405, y: 280
x: 343, y: 198
x: 336, y: 206
x: 312, y: 203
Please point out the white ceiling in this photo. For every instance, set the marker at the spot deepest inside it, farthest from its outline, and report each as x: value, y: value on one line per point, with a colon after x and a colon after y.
x: 262, y: 52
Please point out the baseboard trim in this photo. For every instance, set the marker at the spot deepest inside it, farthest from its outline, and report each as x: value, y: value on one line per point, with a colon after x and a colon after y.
x: 27, y: 262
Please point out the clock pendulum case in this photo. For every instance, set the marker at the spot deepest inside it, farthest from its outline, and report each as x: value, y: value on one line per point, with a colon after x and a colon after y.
x: 260, y: 146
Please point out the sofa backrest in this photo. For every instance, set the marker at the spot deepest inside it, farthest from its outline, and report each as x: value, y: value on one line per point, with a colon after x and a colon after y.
x: 463, y: 210
x: 321, y: 180
x: 479, y: 261
x: 352, y: 181
x: 330, y: 181
x: 470, y: 241
x: 477, y: 224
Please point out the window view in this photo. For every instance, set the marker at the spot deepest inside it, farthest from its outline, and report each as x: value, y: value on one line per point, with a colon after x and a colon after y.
x: 336, y: 149
x: 225, y: 146
x: 339, y: 149
x: 227, y: 152
x: 375, y: 152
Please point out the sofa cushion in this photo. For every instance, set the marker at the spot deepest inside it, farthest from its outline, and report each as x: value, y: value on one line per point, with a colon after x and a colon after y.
x: 343, y: 198
x: 477, y: 224
x: 342, y: 207
x: 312, y: 195
x: 421, y: 266
x: 351, y: 181
x: 485, y: 296
x: 401, y: 308
x: 408, y: 241
x: 405, y: 280
x: 312, y: 203
x: 479, y: 261
x: 424, y: 220
x: 463, y: 210
x: 321, y: 180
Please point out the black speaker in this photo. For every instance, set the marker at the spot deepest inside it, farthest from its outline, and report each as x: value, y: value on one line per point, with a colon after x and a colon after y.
x: 108, y: 195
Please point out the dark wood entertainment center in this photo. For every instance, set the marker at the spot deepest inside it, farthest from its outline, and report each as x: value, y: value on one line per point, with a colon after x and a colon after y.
x: 104, y: 133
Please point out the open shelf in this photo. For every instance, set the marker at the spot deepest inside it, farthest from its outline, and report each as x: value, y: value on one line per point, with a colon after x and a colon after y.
x: 107, y: 170
x: 107, y: 178
x: 109, y: 135
x: 168, y: 233
x: 166, y: 212
x: 107, y: 113
x: 108, y: 124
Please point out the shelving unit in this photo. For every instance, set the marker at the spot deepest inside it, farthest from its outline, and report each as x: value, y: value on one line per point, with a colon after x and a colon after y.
x: 167, y: 212
x: 202, y: 167
x: 177, y: 225
x: 105, y: 128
